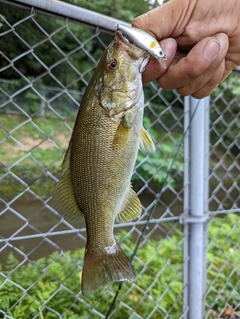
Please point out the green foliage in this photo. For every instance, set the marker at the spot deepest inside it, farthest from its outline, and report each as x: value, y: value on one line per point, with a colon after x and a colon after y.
x: 119, y: 9
x: 226, y: 119
x: 29, y: 101
x: 40, y: 157
x: 30, y: 41
x: 224, y: 261
x: 53, y: 281
x: 65, y: 39
x: 156, y: 166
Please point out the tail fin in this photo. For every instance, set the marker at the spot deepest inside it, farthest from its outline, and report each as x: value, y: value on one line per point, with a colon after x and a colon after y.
x: 110, y: 266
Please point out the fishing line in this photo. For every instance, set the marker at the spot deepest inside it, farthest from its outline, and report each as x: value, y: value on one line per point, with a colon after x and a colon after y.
x: 158, y: 196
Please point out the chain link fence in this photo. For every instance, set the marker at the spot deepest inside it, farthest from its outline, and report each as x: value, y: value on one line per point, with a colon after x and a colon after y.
x: 42, y: 81
x: 223, y: 272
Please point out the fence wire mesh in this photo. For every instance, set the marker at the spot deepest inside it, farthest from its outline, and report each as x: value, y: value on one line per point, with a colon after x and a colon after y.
x: 42, y: 82
x: 223, y: 272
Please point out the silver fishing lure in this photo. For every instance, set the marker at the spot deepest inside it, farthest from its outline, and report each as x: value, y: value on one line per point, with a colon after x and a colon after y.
x: 144, y: 41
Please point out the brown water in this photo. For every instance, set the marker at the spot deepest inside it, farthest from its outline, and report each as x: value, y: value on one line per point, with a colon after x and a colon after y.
x: 26, y: 218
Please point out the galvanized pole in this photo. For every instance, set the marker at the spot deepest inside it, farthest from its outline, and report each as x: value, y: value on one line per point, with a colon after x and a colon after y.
x: 195, y: 205
x: 74, y: 12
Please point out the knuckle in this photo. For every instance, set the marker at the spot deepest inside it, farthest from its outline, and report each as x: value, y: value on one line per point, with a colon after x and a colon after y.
x: 142, y: 21
x: 194, y: 71
x: 184, y: 90
x: 165, y: 85
x: 200, y: 94
x: 205, y: 90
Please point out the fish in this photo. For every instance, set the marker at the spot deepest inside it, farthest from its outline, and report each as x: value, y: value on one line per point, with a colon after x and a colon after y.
x: 99, y: 162
x: 144, y: 41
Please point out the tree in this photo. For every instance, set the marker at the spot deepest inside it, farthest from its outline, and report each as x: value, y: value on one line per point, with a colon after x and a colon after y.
x: 125, y: 10
x: 51, y: 48
x: 42, y: 47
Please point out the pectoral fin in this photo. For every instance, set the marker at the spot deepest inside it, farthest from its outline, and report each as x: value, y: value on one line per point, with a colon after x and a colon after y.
x: 129, y: 118
x: 146, y: 144
x: 63, y: 197
x: 131, y: 207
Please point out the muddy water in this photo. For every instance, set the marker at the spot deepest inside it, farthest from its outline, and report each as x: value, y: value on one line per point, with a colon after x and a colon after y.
x: 27, y: 218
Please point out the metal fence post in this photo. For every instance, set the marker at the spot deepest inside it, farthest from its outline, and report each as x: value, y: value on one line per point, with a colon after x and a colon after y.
x: 195, y: 205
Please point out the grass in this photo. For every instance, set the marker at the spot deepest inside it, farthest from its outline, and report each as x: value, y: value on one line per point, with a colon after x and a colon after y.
x: 52, y: 283
x: 33, y: 150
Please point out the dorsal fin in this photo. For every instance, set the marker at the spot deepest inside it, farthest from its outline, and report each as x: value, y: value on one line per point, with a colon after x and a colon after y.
x: 63, y: 196
x: 66, y: 161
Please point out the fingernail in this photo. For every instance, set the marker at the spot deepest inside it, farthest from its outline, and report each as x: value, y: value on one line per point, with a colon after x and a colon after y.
x: 211, y: 50
x: 169, y: 47
x: 222, y: 38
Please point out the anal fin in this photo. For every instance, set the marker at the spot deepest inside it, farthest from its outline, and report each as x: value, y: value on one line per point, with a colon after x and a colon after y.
x: 131, y: 208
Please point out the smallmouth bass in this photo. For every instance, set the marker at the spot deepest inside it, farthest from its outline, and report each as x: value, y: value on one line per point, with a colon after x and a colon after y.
x: 100, y: 159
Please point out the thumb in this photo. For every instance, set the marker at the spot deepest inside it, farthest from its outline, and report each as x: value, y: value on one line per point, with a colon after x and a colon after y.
x: 167, y: 20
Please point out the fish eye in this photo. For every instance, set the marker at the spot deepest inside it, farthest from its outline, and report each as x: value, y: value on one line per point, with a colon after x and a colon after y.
x: 112, y: 65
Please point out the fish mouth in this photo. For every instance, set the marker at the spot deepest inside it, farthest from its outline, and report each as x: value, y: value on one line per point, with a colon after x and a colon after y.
x: 132, y: 50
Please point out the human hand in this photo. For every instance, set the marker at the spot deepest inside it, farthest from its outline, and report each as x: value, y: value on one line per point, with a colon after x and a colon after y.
x: 201, y: 39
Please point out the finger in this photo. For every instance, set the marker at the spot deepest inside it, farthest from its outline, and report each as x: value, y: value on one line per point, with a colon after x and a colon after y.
x: 207, y: 88
x: 153, y: 69
x: 210, y: 79
x: 196, y: 69
x: 166, y: 20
